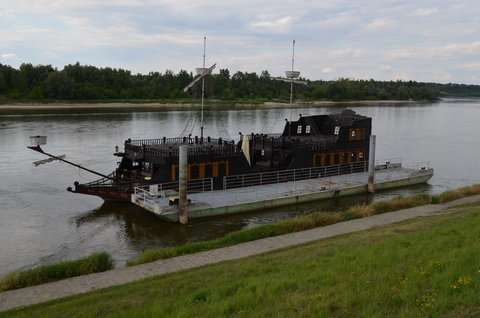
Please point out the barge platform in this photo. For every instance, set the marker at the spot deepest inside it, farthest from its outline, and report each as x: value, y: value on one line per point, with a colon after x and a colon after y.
x: 246, y: 193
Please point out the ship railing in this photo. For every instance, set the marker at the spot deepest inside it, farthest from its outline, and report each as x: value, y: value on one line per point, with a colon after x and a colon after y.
x: 224, y: 149
x: 388, y: 163
x: 258, y: 179
x: 103, y: 182
x: 177, y: 140
x: 423, y: 165
x: 149, y: 195
x: 170, y: 188
x: 144, y: 197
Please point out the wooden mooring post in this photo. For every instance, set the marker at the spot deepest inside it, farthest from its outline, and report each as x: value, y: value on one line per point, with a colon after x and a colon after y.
x: 182, y: 185
x: 371, y: 164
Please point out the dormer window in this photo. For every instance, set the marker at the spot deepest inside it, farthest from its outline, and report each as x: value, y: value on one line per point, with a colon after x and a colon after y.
x: 299, y: 129
x: 307, y: 129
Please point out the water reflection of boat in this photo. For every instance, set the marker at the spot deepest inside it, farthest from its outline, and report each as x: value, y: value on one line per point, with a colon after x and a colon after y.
x: 144, y: 230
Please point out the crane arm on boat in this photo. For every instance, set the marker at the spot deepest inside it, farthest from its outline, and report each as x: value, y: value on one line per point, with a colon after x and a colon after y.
x: 60, y: 158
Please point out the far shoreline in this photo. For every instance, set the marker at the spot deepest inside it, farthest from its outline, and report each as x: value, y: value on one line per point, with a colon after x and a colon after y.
x: 33, y: 106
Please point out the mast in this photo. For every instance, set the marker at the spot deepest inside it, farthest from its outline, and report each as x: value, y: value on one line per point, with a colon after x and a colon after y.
x: 201, y: 73
x: 291, y: 89
x: 291, y: 75
x: 203, y: 88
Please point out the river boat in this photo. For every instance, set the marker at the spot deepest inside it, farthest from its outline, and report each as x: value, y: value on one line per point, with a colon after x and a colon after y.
x: 311, y: 141
x: 313, y: 149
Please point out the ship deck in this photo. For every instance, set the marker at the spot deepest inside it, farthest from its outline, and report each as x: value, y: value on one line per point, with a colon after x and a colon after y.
x: 237, y: 200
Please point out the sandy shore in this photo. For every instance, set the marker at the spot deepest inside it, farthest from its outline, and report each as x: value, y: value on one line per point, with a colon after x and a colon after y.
x: 179, y: 105
x: 86, y: 106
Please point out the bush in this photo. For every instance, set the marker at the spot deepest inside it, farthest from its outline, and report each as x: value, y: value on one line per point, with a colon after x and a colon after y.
x: 400, y: 203
x: 459, y: 193
x: 49, y: 273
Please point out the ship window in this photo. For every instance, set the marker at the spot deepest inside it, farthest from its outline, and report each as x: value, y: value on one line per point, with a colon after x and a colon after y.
x: 337, y: 130
x: 307, y: 129
x: 194, y: 172
x: 299, y: 129
x: 208, y: 170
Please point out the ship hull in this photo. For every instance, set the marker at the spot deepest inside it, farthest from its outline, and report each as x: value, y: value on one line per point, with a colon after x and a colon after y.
x: 117, y: 194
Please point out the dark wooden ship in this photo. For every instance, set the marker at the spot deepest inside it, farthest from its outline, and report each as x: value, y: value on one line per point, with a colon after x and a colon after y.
x: 311, y: 141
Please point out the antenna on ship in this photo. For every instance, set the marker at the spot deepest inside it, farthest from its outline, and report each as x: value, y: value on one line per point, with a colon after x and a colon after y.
x: 201, y: 73
x: 291, y: 77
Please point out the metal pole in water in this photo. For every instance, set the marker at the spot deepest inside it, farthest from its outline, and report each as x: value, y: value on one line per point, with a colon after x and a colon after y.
x: 371, y: 164
x: 182, y: 185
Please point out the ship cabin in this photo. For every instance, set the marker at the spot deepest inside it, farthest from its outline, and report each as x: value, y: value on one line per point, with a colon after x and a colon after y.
x: 311, y: 141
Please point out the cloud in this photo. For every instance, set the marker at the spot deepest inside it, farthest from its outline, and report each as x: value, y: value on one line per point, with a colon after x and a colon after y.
x: 373, y: 39
x: 340, y: 21
x: 279, y: 25
x: 423, y: 12
x: 380, y: 24
x: 350, y: 52
x: 8, y: 56
x: 401, y: 77
x: 463, y: 48
x: 471, y: 66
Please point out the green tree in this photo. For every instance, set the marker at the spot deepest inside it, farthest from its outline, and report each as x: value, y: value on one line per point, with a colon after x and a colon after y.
x: 59, y: 86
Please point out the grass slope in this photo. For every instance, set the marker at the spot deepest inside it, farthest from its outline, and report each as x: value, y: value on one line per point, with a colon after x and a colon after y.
x: 44, y: 274
x: 305, y: 222
x: 425, y: 267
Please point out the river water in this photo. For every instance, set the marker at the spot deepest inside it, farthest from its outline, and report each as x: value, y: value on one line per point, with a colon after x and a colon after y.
x: 42, y: 223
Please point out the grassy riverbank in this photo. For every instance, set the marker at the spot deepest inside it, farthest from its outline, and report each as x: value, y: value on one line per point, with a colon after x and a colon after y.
x: 40, y: 275
x: 425, y: 267
x: 304, y: 222
x: 101, y: 262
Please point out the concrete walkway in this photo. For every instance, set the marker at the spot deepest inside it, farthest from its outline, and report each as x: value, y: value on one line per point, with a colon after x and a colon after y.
x: 82, y: 284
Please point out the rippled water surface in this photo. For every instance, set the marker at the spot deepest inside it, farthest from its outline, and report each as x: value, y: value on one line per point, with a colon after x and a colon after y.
x: 40, y: 222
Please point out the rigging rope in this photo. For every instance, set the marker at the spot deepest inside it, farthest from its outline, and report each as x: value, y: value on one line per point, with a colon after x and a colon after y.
x: 190, y: 125
x: 271, y: 122
x: 222, y: 130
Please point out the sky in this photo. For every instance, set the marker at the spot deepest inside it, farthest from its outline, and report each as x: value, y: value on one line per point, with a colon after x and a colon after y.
x: 421, y: 40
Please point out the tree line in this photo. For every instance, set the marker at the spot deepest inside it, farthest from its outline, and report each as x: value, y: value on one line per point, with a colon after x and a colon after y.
x: 78, y: 82
x: 457, y: 90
